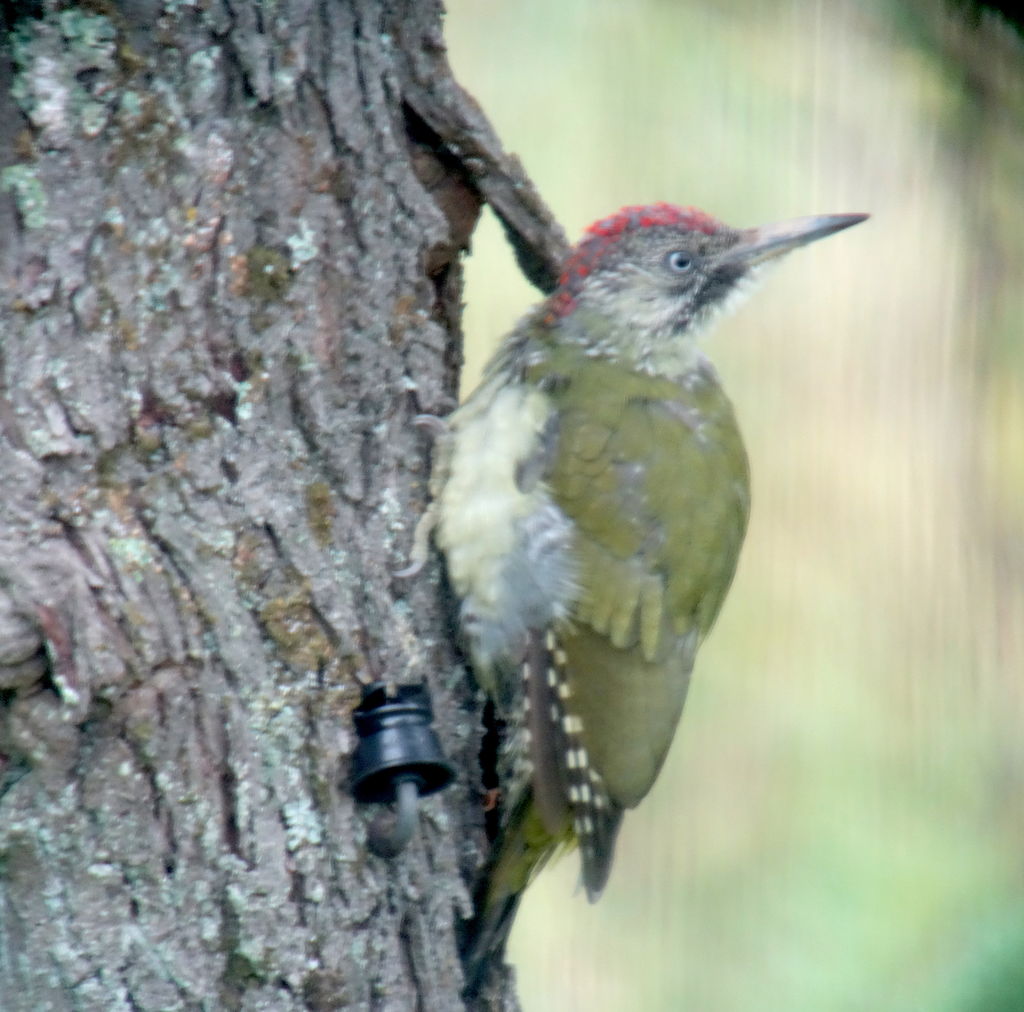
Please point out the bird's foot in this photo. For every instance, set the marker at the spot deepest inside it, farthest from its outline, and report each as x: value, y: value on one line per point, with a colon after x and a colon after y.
x: 437, y: 428
x: 420, y: 544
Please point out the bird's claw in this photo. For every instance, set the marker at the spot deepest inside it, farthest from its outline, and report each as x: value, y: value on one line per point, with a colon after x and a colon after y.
x: 437, y: 428
x: 433, y: 424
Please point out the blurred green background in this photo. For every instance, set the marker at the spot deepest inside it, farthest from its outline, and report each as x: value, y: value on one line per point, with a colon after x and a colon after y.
x: 841, y: 821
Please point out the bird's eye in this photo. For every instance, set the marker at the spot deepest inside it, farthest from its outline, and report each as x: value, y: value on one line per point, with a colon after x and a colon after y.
x: 679, y: 261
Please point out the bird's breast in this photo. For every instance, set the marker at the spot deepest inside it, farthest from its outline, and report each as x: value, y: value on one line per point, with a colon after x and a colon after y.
x: 506, y: 541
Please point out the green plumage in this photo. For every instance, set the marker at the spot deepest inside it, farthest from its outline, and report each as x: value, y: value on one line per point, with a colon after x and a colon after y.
x: 653, y: 474
x: 591, y: 499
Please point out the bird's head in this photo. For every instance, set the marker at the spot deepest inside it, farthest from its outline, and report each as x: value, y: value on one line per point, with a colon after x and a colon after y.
x: 645, y: 280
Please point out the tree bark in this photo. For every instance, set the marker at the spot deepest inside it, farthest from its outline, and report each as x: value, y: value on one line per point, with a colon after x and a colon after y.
x: 229, y: 255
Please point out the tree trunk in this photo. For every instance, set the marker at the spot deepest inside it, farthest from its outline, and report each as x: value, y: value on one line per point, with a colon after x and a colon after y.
x: 229, y: 242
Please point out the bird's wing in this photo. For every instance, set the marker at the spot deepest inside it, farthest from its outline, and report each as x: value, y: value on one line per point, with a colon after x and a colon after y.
x: 653, y: 477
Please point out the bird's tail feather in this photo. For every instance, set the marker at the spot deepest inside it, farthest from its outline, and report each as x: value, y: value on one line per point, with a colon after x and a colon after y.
x: 520, y: 851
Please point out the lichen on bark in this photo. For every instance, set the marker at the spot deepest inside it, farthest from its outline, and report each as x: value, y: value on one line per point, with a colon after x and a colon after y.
x: 230, y: 279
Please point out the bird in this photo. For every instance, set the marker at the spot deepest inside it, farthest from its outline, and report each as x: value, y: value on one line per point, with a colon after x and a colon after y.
x: 590, y: 500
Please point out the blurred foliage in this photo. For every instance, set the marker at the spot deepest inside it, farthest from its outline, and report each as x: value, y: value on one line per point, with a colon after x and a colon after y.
x: 840, y: 822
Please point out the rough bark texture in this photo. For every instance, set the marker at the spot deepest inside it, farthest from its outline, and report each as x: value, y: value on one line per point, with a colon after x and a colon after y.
x: 229, y: 240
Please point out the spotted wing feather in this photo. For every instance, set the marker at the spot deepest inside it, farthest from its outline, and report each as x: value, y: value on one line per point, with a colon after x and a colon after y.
x: 567, y: 790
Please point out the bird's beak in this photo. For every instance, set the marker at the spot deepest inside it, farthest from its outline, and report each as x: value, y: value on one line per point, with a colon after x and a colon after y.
x: 766, y: 241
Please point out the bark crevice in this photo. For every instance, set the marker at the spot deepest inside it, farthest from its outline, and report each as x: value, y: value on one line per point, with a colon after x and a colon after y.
x: 230, y: 278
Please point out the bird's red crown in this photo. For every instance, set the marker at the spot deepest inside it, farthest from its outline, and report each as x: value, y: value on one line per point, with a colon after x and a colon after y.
x: 603, y: 234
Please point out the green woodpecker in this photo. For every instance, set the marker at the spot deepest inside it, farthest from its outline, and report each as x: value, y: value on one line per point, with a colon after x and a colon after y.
x: 590, y: 499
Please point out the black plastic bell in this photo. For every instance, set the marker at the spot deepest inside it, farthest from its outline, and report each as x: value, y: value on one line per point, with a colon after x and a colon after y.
x: 398, y: 759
